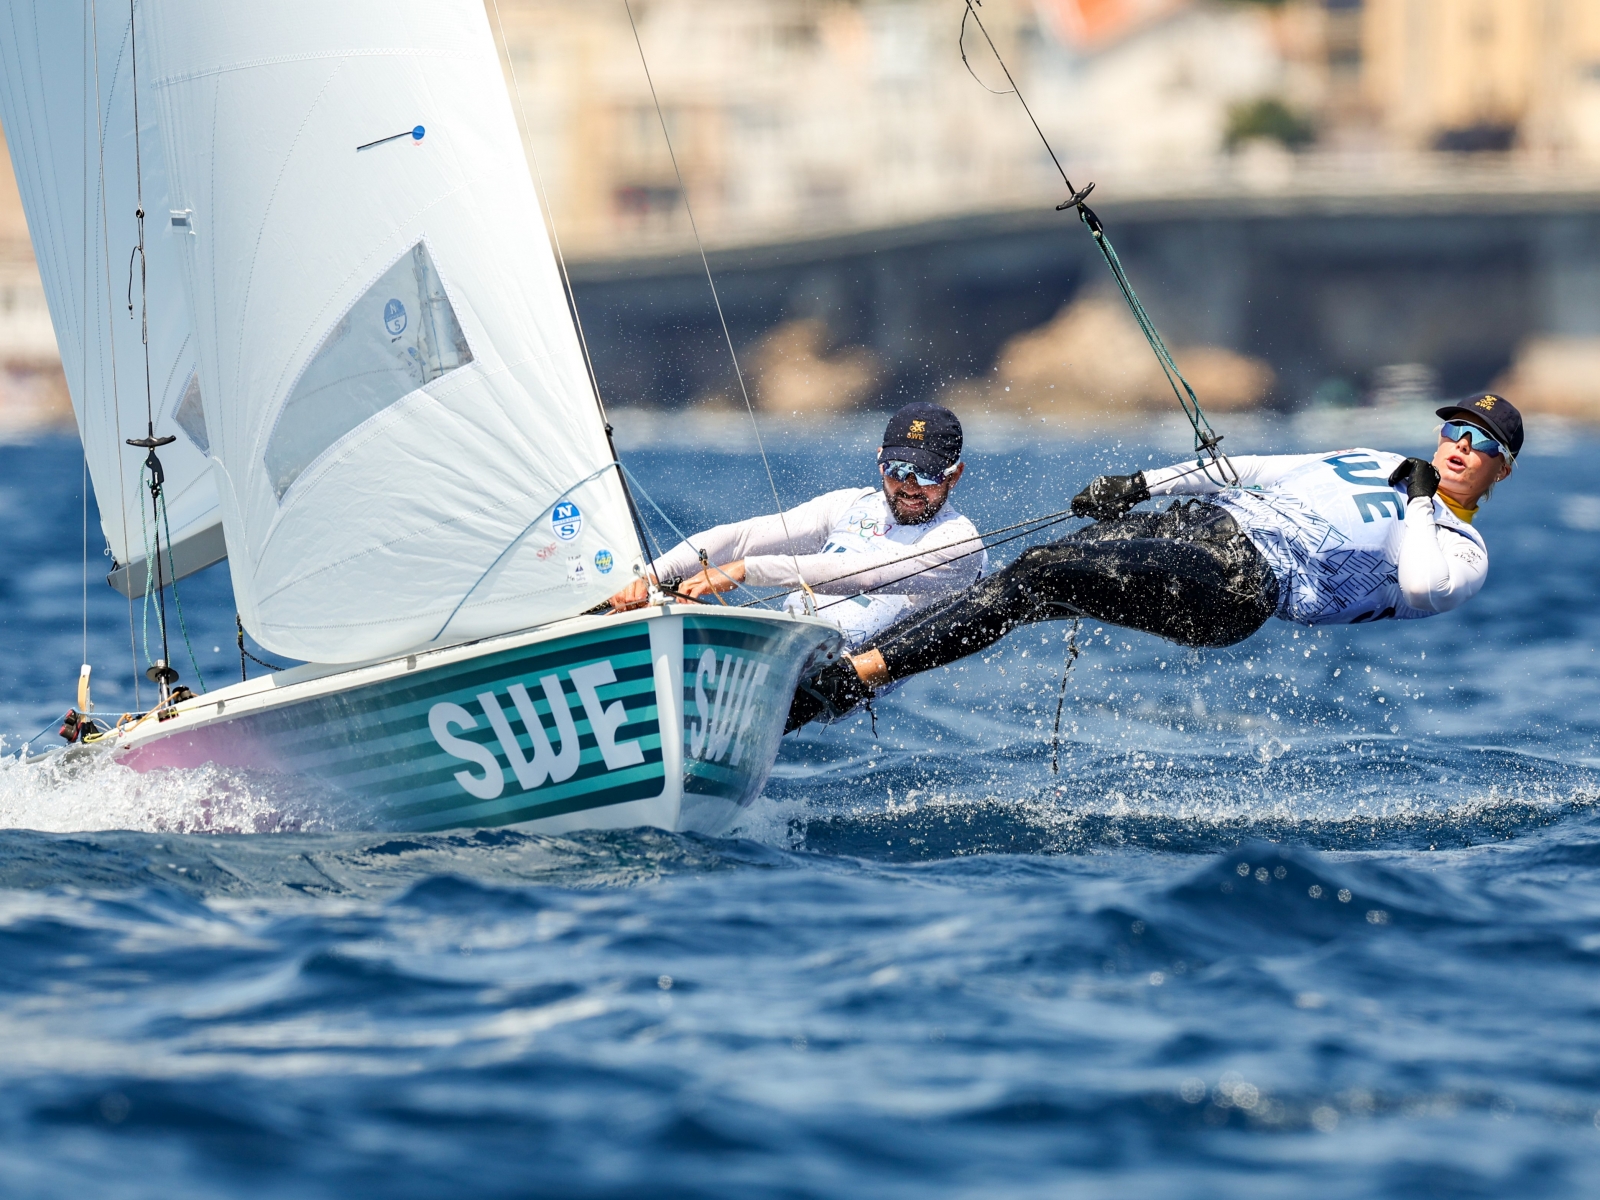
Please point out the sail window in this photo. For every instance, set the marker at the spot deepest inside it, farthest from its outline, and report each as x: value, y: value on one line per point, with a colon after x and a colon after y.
x: 191, y: 418
x: 401, y: 335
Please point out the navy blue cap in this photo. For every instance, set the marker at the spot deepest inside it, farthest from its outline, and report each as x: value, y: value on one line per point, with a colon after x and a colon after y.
x: 1493, y: 414
x: 928, y: 436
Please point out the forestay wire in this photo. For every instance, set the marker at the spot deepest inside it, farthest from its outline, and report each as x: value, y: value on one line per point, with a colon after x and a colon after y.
x: 688, y: 541
x: 1206, y: 439
x: 101, y: 211
x: 980, y: 543
x: 549, y: 217
x: 716, y: 300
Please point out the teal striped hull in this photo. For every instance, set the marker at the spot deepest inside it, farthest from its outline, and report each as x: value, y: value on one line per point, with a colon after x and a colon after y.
x: 668, y: 718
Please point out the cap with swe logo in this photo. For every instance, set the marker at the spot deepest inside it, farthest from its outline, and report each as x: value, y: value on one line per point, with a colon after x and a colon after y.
x: 1493, y: 414
x: 928, y: 436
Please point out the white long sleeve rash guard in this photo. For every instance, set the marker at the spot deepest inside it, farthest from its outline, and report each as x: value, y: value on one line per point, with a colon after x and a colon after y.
x: 1345, y: 546
x: 844, y: 543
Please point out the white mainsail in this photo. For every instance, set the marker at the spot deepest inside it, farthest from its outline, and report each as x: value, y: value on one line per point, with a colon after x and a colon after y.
x: 408, y: 448
x: 66, y: 98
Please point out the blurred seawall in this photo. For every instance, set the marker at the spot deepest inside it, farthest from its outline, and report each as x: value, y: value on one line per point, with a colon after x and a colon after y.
x: 1333, y: 291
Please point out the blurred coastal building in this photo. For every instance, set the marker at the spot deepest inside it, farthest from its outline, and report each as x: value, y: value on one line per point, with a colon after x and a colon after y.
x: 1485, y: 75
x: 791, y: 117
x: 796, y: 117
x: 33, y: 393
x: 805, y: 119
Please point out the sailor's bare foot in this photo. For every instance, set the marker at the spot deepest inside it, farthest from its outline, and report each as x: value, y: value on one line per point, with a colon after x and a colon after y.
x: 870, y: 667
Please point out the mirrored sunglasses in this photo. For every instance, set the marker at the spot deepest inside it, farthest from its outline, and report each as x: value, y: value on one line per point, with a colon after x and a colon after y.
x: 901, y: 471
x: 1454, y: 431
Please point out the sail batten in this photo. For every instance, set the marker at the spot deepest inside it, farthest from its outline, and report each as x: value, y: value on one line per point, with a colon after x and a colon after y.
x: 408, y: 444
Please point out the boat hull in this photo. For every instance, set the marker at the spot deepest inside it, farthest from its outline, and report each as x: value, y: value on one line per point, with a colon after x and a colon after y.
x: 670, y: 717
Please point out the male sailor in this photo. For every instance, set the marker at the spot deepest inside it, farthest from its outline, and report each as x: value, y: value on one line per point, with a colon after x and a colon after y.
x: 868, y: 556
x: 1336, y: 538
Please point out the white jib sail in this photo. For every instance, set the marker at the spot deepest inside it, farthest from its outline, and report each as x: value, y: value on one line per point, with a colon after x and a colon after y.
x: 409, y: 449
x: 66, y: 97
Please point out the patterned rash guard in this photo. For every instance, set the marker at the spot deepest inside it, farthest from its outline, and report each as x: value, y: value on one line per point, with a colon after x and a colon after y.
x: 1344, y: 545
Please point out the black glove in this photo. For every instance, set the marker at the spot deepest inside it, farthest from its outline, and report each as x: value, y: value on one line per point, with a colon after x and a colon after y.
x: 1419, y: 477
x: 1109, y: 496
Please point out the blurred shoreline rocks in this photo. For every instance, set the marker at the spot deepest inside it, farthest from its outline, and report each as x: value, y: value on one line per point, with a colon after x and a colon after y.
x: 1092, y: 362
x: 33, y: 389
x: 794, y: 370
x: 1229, y: 137
x: 1558, y: 376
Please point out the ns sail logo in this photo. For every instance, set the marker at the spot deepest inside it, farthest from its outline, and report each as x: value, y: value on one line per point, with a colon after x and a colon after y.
x: 566, y: 520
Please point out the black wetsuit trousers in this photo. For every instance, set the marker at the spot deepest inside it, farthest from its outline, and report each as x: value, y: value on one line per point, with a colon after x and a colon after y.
x: 1188, y: 574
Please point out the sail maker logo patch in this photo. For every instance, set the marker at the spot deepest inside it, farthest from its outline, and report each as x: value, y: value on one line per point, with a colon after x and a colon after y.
x: 394, y: 317
x: 540, y: 763
x: 566, y: 521
x: 722, y: 697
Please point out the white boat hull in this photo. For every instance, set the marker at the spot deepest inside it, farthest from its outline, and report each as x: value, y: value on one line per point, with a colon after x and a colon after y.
x: 669, y: 716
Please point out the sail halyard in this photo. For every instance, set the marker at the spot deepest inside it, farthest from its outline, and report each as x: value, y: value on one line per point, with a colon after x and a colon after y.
x: 408, y: 444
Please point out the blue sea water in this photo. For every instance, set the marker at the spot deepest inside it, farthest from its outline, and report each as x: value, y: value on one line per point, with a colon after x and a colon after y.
x: 1316, y: 915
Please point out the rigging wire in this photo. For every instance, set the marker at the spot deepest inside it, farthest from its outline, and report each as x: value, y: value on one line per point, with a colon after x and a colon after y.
x: 684, y: 538
x: 549, y: 217
x: 1028, y: 527
x: 177, y: 600
x: 1061, y: 696
x: 83, y: 382
x: 111, y: 334
x: 244, y: 674
x: 1206, y: 439
x: 694, y: 226
x: 149, y: 441
x: 84, y: 486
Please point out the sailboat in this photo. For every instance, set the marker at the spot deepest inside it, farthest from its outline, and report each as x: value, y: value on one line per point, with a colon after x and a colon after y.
x: 354, y: 333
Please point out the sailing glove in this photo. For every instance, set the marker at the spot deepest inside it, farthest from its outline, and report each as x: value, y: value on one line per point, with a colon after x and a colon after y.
x: 1421, y: 480
x: 1109, y: 496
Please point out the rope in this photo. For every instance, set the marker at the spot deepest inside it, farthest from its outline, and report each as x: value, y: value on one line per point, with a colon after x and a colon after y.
x: 1206, y: 439
x: 85, y: 486
x: 111, y: 338
x: 1061, y: 696
x: 1031, y: 526
x: 29, y: 741
x: 150, y: 570
x: 138, y: 182
x: 244, y: 654
x: 144, y: 339
x: 1028, y: 527
x: 715, y: 299
x: 684, y: 538
x: 177, y: 600
x: 83, y: 380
